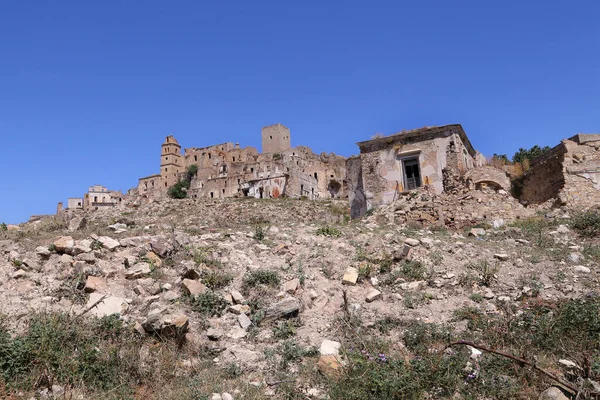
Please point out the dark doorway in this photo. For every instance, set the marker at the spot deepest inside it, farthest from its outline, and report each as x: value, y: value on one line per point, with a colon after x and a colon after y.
x: 412, y: 173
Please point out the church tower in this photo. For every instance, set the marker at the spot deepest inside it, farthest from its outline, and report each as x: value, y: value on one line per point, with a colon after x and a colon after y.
x: 170, y: 162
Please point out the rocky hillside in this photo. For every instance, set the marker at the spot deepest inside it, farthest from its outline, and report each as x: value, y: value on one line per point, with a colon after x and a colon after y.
x: 288, y: 299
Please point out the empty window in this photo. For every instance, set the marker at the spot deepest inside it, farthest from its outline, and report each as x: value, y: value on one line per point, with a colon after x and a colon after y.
x: 209, y: 156
x: 412, y: 173
x: 234, y: 159
x: 195, y: 158
x: 251, y: 169
x: 271, y: 137
x: 166, y: 158
x: 165, y: 184
x: 212, y: 195
x: 223, y: 191
x: 166, y: 169
x: 316, y: 177
x: 152, y: 183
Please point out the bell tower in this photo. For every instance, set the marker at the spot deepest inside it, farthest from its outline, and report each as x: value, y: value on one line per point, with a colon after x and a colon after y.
x: 170, y: 162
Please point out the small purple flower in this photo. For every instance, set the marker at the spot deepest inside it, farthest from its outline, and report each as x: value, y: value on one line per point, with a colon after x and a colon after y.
x: 363, y: 351
x: 382, y: 355
x: 371, y: 358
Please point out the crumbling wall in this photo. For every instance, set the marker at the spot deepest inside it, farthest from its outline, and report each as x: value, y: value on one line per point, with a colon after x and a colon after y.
x: 581, y: 171
x: 545, y: 178
x: 356, y: 193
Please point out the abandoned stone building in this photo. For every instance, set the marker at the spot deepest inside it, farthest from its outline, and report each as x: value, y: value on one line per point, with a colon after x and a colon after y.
x: 390, y: 165
x: 568, y: 174
x: 97, y: 197
x: 226, y: 170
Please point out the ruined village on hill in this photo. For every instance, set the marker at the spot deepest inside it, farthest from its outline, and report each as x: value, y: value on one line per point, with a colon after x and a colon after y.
x: 437, y: 160
x: 414, y: 270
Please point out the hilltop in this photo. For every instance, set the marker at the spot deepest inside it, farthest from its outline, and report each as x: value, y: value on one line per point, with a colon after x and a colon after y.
x: 290, y: 299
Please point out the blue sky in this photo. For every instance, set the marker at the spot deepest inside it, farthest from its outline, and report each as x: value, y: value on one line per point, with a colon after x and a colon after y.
x: 89, y: 90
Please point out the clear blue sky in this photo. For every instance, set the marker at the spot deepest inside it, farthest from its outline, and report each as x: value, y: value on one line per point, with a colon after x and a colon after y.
x: 89, y: 89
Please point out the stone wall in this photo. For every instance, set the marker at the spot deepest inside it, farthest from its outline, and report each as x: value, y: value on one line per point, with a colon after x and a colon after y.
x: 356, y: 192
x: 581, y: 168
x: 569, y: 173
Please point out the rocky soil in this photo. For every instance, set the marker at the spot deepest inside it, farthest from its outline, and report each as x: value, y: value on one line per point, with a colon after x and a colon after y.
x: 243, y: 278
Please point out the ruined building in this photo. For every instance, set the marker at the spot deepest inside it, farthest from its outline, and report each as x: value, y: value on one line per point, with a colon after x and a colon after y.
x: 97, y: 197
x: 390, y: 165
x: 569, y: 173
x: 226, y: 170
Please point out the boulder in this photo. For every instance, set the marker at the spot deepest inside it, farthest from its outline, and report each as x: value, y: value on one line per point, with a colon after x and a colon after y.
x: 109, y: 243
x: 373, y: 295
x: 154, y: 259
x: 43, y: 251
x: 64, y: 244
x: 237, y: 297
x: 139, y: 270
x: 108, y: 306
x: 477, y: 232
x: 412, y: 242
x: 161, y: 246
x: 329, y: 347
x: 192, y: 287
x: 94, y: 284
x: 244, y: 321
x: 350, y: 276
x: 330, y: 366
x: 553, y: 393
x: 283, y: 308
x: 291, y: 286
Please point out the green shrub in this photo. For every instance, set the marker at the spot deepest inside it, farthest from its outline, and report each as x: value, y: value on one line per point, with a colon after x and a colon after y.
x: 476, y: 297
x: 260, y: 233
x: 178, y: 190
x: 208, y: 304
x: 486, y: 272
x: 70, y: 352
x: 285, y: 329
x: 3, y: 227
x: 261, y: 277
x: 329, y: 231
x: 587, y: 223
x: 375, y: 375
x: 413, y: 270
x: 216, y: 279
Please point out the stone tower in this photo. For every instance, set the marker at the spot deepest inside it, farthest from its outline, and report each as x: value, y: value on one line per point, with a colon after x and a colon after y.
x: 275, y: 138
x: 170, y: 162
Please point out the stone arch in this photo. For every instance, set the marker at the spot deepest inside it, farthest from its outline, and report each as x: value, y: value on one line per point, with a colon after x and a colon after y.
x: 488, y: 176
